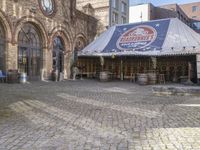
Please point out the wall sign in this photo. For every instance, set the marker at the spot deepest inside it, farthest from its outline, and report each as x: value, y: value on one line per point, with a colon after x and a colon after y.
x: 145, y: 37
x: 137, y: 37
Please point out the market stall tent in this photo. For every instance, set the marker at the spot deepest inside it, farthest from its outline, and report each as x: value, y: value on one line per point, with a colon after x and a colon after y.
x: 158, y: 37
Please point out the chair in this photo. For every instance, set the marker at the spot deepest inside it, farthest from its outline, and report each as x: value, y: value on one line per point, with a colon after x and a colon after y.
x: 132, y: 78
x: 2, y: 76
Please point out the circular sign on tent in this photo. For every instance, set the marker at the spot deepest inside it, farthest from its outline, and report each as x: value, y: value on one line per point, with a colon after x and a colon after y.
x: 137, y: 38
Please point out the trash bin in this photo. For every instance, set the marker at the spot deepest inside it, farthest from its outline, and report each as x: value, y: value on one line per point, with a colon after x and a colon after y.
x: 23, y: 78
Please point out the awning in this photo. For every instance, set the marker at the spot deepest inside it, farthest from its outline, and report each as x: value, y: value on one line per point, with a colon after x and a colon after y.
x: 152, y: 38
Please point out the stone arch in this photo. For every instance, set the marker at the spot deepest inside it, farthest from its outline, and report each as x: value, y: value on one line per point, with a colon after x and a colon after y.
x: 6, y: 25
x: 80, y: 41
x: 5, y: 38
x: 61, y: 32
x: 36, y: 23
x: 43, y: 37
x: 30, y: 51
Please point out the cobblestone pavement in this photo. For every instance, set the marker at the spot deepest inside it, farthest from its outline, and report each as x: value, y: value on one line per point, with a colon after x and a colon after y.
x: 84, y: 115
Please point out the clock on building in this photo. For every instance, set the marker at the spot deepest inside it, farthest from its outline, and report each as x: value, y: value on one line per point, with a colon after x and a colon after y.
x: 47, y: 6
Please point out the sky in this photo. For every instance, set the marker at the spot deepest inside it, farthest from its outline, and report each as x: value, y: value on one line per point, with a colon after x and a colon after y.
x: 162, y: 2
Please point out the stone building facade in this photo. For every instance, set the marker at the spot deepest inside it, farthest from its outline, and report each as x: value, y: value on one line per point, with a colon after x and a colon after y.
x: 38, y: 36
x: 108, y: 12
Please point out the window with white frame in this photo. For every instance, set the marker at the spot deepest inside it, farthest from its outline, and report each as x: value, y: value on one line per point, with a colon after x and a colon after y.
x: 194, y: 8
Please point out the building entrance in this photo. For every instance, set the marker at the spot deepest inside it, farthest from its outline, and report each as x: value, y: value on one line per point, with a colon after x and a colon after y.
x: 29, y: 52
x: 58, y: 57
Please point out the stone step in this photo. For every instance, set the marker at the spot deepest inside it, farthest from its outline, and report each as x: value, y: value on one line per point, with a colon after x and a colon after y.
x: 176, y: 90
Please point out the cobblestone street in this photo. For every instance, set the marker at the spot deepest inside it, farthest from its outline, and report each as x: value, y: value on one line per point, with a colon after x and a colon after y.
x: 90, y: 115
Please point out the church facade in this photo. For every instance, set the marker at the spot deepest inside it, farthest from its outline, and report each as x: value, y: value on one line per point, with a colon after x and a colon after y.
x: 39, y: 36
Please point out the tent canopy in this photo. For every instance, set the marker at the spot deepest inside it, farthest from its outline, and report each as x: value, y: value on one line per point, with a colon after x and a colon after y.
x: 152, y: 38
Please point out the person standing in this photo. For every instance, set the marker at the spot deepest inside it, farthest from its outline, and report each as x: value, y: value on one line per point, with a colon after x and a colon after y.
x: 75, y: 71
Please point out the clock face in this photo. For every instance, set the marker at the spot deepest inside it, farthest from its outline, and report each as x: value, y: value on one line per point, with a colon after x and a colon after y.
x: 47, y: 6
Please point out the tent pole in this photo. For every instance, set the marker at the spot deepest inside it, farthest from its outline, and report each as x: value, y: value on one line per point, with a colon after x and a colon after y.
x: 121, y: 70
x: 189, y: 72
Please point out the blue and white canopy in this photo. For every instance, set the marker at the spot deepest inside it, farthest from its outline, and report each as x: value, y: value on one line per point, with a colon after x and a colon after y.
x: 153, y: 38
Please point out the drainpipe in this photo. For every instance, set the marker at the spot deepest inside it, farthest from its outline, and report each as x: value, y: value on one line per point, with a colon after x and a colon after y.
x: 110, y: 15
x: 198, y: 67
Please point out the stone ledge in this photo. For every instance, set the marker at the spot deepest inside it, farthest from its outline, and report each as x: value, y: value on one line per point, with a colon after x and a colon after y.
x: 176, y: 90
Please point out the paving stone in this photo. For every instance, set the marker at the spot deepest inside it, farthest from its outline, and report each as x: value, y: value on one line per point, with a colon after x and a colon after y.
x: 89, y: 115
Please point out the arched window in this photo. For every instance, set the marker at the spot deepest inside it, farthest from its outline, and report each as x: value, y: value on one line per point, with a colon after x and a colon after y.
x: 29, y: 51
x: 29, y: 37
x: 2, y: 48
x: 58, y: 54
x: 80, y: 43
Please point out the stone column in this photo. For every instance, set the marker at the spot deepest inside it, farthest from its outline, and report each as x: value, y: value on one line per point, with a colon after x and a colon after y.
x: 67, y: 65
x: 198, y: 66
x: 46, y: 61
x: 11, y: 56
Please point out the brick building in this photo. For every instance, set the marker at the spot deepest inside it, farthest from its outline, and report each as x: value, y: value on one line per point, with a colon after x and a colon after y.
x: 108, y: 12
x: 38, y: 36
x: 193, y: 12
x: 188, y: 13
x: 171, y: 11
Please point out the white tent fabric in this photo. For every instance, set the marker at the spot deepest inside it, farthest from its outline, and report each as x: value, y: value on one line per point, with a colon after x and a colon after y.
x: 153, y: 38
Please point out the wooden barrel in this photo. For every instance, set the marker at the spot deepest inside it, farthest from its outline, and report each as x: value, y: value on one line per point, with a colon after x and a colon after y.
x: 152, y: 78
x: 104, y: 76
x: 54, y: 75
x: 13, y: 76
x: 142, y: 78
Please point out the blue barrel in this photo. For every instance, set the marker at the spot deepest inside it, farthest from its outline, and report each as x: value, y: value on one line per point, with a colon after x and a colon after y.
x: 23, y: 78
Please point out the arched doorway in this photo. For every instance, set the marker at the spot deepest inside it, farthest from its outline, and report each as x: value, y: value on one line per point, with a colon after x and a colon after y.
x: 58, y: 56
x: 2, y: 48
x: 30, y: 51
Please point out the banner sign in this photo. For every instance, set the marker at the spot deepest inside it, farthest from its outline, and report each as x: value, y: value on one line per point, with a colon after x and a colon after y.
x: 140, y: 37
